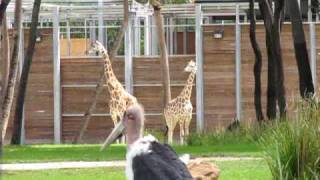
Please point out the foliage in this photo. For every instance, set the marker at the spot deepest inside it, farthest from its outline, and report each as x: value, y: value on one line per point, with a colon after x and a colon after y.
x: 243, y: 134
x: 292, y: 147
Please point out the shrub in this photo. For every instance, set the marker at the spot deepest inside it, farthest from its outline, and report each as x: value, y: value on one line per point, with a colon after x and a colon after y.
x: 292, y: 147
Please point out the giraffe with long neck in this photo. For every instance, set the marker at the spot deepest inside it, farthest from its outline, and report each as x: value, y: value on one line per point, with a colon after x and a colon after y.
x: 180, y: 108
x: 120, y: 99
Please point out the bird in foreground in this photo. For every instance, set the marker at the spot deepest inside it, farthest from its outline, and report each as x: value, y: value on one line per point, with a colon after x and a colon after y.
x: 147, y: 159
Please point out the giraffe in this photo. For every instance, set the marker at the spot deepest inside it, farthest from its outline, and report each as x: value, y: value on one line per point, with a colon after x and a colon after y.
x: 120, y: 99
x: 180, y: 108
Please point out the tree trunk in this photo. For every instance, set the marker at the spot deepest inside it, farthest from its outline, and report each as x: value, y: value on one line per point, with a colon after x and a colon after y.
x: 7, y: 104
x: 300, y: 48
x: 163, y: 55
x: 276, y: 90
x: 113, y: 52
x: 3, y: 7
x: 257, y: 64
x: 281, y: 94
x: 17, y: 125
x: 5, y: 61
x: 266, y: 12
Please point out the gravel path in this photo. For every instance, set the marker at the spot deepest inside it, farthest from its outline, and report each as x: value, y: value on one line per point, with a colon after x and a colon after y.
x: 82, y: 164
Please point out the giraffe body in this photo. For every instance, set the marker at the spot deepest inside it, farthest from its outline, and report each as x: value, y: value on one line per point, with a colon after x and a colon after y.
x: 120, y: 99
x: 179, y: 110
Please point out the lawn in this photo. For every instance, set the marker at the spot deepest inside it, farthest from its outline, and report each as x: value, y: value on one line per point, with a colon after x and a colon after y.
x: 240, y: 170
x: 55, y: 153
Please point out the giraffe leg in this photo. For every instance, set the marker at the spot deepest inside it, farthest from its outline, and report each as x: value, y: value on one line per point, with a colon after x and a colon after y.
x: 181, y: 132
x: 187, y: 126
x: 170, y: 135
x: 114, y: 119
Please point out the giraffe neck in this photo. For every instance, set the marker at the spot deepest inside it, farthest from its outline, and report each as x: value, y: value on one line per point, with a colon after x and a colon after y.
x: 187, y: 90
x: 108, y: 71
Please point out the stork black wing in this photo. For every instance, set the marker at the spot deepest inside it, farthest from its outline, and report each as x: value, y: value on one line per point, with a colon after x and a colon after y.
x: 161, y: 164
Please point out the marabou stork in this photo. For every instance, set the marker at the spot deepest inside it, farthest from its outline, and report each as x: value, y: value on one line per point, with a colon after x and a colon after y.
x: 147, y: 159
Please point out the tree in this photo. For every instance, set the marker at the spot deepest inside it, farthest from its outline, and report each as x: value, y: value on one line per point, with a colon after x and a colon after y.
x: 163, y: 53
x: 4, y: 63
x: 8, y: 98
x: 119, y: 37
x: 3, y: 7
x: 17, y: 125
x: 300, y: 49
x: 275, y: 90
x: 257, y: 64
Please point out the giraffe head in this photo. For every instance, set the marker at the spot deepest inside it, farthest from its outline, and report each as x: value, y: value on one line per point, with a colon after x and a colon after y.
x: 191, y: 67
x: 96, y: 47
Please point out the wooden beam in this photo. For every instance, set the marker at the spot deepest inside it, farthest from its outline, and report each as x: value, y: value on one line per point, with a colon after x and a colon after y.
x: 199, y: 78
x: 56, y: 76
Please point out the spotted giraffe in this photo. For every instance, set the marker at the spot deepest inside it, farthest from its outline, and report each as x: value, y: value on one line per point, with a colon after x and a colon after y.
x: 120, y: 99
x: 180, y: 108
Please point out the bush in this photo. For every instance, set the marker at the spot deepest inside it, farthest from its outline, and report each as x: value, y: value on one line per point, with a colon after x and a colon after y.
x: 292, y: 147
x: 242, y: 134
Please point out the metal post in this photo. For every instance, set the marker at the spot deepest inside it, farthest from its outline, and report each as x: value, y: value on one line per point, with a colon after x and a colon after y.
x: 128, y: 58
x: 185, y: 37
x: 199, y: 60
x: 92, y: 31
x: 146, y: 36
x: 68, y: 38
x: 56, y: 77
x: 313, y: 52
x: 136, y: 30
x: 21, y: 62
x: 238, y: 65
x: 154, y: 37
x: 171, y: 29
x: 309, y: 11
x: 100, y: 22
x: 85, y: 34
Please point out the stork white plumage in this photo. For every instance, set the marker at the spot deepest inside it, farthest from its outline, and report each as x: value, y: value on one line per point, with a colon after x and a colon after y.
x: 147, y: 159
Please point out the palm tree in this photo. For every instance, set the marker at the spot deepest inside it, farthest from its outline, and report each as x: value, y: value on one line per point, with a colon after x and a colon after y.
x: 17, y: 125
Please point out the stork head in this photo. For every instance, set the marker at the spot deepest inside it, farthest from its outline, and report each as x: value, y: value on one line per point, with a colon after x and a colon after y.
x: 191, y: 67
x: 131, y: 126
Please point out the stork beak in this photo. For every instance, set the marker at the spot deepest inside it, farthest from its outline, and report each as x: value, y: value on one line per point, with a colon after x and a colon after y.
x: 118, y: 129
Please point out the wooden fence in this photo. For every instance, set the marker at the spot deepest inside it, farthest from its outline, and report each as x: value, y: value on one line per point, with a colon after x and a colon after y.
x: 80, y: 74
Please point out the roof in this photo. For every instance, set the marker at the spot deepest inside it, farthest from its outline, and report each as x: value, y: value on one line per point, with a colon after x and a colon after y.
x: 221, y: 1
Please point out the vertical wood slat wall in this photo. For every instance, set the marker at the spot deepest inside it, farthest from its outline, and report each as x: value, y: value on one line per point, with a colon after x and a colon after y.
x: 219, y: 84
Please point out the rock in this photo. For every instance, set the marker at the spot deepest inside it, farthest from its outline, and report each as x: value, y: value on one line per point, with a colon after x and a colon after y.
x: 203, y: 170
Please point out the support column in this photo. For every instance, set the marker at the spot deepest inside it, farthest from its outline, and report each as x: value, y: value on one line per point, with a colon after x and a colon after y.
x: 21, y: 62
x: 137, y: 36
x: 199, y: 78
x: 93, y: 30
x: 185, y: 38
x: 128, y: 58
x: 56, y: 77
x: 68, y: 39
x: 154, y: 38
x: 100, y: 22
x: 171, y: 30
x: 313, y: 53
x: 146, y: 36
x: 238, y: 66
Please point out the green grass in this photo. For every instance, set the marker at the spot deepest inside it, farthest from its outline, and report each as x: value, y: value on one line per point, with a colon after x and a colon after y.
x: 239, y: 170
x: 54, y: 153
x: 244, y: 170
